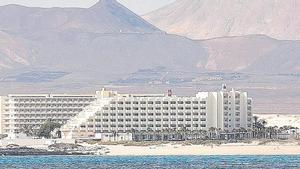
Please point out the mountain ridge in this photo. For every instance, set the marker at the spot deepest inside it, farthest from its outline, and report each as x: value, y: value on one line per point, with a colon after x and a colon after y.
x: 205, y: 19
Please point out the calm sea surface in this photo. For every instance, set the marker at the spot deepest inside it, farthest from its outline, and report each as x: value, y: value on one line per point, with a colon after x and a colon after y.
x: 167, y: 162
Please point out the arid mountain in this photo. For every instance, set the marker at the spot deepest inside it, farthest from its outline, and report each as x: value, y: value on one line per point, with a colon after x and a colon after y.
x: 101, y: 43
x: 253, y: 53
x: 204, y: 19
x: 107, y: 16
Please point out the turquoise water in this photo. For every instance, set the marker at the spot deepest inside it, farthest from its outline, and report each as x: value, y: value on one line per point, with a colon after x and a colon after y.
x: 164, y: 162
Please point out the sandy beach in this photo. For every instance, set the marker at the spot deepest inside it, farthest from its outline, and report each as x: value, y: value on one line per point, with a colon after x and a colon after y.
x: 226, y: 149
x: 281, y: 119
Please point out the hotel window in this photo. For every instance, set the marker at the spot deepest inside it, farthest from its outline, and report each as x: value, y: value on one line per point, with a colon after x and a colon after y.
x: 120, y: 102
x: 165, y: 108
x: 165, y: 102
x: 113, y: 102
x: 173, y: 102
x: 158, y: 114
x: 187, y: 108
x: 128, y: 108
x: 120, y: 114
x: 180, y: 108
x: 165, y: 125
x: 143, y: 108
x: 195, y: 108
x: 188, y: 113
x: 120, y: 120
x: 127, y: 102
x: 157, y: 108
x: 165, y: 119
x: 135, y: 102
x: 202, y: 125
x: 158, y: 125
x: 202, y: 119
x: 173, y: 114
x: 120, y: 108
x: 112, y: 108
x: 180, y: 113
x: 150, y: 102
x: 202, y: 102
x: 166, y: 114
x: 135, y: 108
x: 187, y: 102
x: 173, y: 108
x: 150, y: 114
x: 143, y: 102
x: 180, y: 102
x: 202, y: 108
x: 157, y: 102
x: 150, y: 108
x: 195, y: 102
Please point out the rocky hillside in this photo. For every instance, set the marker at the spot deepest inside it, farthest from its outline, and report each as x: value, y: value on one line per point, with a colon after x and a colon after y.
x: 204, y: 19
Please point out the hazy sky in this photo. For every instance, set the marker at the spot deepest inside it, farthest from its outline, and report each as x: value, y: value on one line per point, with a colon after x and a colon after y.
x: 138, y: 6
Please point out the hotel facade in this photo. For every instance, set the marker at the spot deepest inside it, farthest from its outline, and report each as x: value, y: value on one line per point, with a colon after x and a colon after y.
x: 108, y: 112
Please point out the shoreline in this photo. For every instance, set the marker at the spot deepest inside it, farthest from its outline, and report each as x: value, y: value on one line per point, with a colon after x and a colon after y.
x: 236, y: 149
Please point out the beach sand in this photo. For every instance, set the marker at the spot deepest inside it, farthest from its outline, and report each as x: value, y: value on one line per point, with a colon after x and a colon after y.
x: 226, y: 149
x: 281, y: 119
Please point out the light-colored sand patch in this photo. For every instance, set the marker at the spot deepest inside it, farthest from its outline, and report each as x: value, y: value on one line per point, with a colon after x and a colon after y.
x: 281, y: 120
x: 228, y: 149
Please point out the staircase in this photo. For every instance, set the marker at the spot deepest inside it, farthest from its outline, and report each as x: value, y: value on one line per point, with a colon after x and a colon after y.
x: 70, y: 129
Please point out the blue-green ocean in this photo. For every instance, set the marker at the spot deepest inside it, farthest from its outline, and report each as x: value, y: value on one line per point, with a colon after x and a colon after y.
x: 149, y: 162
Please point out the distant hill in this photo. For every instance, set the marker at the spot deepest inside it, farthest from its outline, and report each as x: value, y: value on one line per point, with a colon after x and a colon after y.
x: 100, y: 44
x: 254, y: 53
x: 205, y: 19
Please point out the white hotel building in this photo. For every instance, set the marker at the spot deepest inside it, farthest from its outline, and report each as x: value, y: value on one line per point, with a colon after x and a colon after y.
x: 91, y: 116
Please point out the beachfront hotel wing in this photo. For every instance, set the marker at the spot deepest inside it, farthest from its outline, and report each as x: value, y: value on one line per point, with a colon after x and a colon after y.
x: 92, y: 116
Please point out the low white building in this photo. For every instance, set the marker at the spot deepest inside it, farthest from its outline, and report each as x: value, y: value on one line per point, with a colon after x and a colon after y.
x: 19, y: 111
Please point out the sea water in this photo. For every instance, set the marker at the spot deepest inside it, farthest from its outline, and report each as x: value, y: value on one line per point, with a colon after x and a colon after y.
x: 149, y: 162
